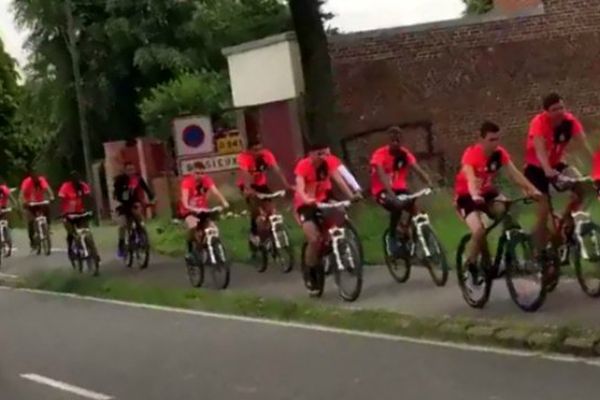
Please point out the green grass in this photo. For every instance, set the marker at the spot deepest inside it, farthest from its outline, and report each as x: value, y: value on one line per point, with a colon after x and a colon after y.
x: 379, y: 321
x: 370, y: 220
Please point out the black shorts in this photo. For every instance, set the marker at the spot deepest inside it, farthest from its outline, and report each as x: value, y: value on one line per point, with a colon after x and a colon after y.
x: 309, y: 213
x: 538, y: 178
x: 383, y: 199
x: 466, y: 205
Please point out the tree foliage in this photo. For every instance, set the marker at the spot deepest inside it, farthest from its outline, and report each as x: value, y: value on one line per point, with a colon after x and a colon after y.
x: 127, y: 49
x: 477, y: 7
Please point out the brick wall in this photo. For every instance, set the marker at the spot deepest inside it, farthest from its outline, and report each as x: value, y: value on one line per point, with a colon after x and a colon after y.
x: 455, y: 74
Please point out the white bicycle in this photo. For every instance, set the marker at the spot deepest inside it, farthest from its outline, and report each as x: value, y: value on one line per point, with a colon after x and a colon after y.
x: 42, y: 242
x: 6, y: 244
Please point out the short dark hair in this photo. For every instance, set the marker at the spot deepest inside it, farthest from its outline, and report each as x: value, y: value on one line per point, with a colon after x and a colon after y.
x: 488, y: 127
x: 317, y: 145
x: 551, y: 100
x: 394, y: 130
x: 254, y: 141
x: 128, y: 163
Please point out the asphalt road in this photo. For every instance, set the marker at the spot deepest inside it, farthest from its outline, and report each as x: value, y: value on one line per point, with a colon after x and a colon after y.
x: 568, y: 305
x: 124, y: 352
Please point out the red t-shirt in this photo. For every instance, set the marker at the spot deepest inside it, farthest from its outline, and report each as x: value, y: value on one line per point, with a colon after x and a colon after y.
x: 256, y: 165
x: 486, y: 168
x: 4, y: 196
x: 198, y: 191
x: 556, y: 138
x: 31, y: 194
x: 71, y: 201
x: 396, y: 167
x: 596, y: 166
x: 317, y: 183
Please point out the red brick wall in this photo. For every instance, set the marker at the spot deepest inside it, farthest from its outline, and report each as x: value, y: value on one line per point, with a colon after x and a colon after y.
x: 455, y: 75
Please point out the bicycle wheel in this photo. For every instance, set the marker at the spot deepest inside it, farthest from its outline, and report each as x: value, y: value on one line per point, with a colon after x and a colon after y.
x: 284, y: 256
x: 586, y: 257
x: 398, y: 265
x: 476, y: 293
x: 8, y: 244
x: 354, y: 237
x: 93, y: 259
x: 46, y: 242
x: 348, y: 269
x: 195, y: 268
x: 143, y: 248
x: 436, y: 262
x: 220, y: 270
x: 552, y: 264
x: 524, y: 275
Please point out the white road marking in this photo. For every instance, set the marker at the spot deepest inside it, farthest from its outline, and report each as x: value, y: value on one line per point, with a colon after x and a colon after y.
x: 595, y: 362
x: 65, y: 387
x: 10, y: 276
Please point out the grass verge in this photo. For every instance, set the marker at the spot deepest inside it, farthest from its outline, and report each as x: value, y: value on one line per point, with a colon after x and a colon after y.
x: 566, y: 339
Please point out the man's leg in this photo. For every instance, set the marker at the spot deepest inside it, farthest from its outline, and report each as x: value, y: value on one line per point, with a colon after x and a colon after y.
x: 311, y: 257
x: 475, y: 224
x: 540, y: 228
x: 191, y: 222
x: 122, y: 223
x: 254, y: 211
x: 69, y: 229
x: 30, y: 222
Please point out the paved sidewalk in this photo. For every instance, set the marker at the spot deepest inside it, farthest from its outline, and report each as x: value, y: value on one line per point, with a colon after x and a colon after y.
x: 419, y: 296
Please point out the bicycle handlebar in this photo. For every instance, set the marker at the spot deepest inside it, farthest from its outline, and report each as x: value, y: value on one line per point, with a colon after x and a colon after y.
x: 38, y: 203
x: 87, y: 214
x: 335, y: 204
x: 213, y: 210
x: 420, y: 193
x: 267, y: 196
x: 5, y: 210
x: 567, y: 179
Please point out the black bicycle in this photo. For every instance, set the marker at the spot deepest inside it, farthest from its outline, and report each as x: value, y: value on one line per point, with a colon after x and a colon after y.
x: 137, y: 244
x: 416, y: 240
x: 514, y: 259
x: 208, y: 251
x: 83, y: 251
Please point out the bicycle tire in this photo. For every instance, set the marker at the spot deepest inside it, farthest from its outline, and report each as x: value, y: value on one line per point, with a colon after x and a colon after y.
x: 438, y: 280
x: 142, y: 248
x: 195, y: 268
x: 392, y: 262
x: 346, y: 248
x: 353, y: 233
x: 462, y: 276
x: 590, y: 289
x: 7, y: 248
x: 220, y: 270
x: 284, y: 256
x: 46, y: 243
x: 93, y: 259
x: 513, y: 267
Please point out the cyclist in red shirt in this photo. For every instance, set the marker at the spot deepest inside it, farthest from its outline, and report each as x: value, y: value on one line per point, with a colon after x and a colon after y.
x: 195, y: 189
x: 34, y: 189
x: 254, y: 164
x: 314, y: 176
x: 390, y: 166
x: 475, y: 191
x: 5, y: 195
x: 550, y: 133
x: 72, y: 194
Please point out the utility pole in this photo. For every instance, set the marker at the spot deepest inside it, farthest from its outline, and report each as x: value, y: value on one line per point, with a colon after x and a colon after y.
x: 71, y: 40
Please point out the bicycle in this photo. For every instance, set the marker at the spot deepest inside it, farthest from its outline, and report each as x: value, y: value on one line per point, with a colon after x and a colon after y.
x: 6, y: 244
x: 513, y: 259
x: 42, y: 242
x: 83, y: 249
x: 337, y: 252
x: 274, y: 237
x: 579, y: 243
x: 208, y: 251
x: 137, y: 243
x: 417, y: 240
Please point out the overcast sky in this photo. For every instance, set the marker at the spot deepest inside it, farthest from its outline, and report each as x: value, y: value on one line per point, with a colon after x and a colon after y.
x: 351, y: 15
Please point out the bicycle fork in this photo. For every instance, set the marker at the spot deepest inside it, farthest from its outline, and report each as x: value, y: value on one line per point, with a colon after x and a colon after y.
x: 337, y: 234
x: 419, y: 221
x: 276, y: 221
x: 583, y: 219
x: 209, y: 235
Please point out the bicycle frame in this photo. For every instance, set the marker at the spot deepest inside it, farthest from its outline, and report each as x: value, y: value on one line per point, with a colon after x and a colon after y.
x: 583, y: 219
x: 332, y: 233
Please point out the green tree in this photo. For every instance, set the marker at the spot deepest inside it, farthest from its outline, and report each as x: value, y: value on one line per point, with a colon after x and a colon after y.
x: 477, y: 7
x: 320, y: 98
x: 190, y: 93
x: 9, y: 93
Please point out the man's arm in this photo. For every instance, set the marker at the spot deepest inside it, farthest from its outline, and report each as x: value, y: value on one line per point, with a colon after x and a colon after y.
x: 542, y: 155
x: 337, y: 178
x: 50, y: 193
x: 215, y: 190
x: 472, y: 183
x: 517, y: 177
x: 279, y: 172
x: 349, y: 178
x: 385, y: 180
x: 422, y: 174
x: 301, y: 190
x: 584, y: 143
x: 146, y: 189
